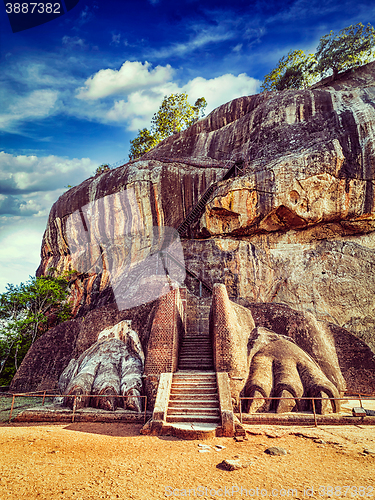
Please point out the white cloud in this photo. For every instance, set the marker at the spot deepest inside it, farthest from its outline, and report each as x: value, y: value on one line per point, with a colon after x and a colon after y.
x: 222, y: 89
x: 13, y: 205
x: 137, y: 110
x: 26, y: 174
x: 72, y: 42
x: 29, y: 187
x: 237, y: 48
x: 140, y: 106
x: 204, y: 36
x: 131, y: 76
x: 19, y: 248
x: 116, y: 39
x: 37, y: 104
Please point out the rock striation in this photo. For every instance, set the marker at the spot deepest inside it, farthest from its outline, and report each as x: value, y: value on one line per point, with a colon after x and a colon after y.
x: 294, y: 229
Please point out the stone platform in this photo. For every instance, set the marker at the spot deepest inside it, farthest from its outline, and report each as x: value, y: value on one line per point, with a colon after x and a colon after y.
x: 58, y: 413
x: 192, y: 430
x: 345, y: 417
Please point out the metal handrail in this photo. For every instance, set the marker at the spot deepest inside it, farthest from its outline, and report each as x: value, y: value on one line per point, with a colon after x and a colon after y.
x: 38, y: 394
x: 233, y: 168
x: 206, y: 285
x: 360, y: 397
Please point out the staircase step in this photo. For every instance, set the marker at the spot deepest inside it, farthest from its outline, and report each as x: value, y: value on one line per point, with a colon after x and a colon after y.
x: 194, y: 361
x: 198, y: 384
x: 194, y: 374
x: 193, y: 418
x: 188, y: 390
x: 193, y: 397
x: 202, y: 365
x: 193, y: 387
x: 211, y: 402
x: 192, y: 357
x: 194, y: 365
x: 198, y: 343
x: 195, y: 410
x: 190, y: 342
x: 195, y: 350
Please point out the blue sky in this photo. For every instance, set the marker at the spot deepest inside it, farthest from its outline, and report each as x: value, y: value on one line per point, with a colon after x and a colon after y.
x: 74, y: 91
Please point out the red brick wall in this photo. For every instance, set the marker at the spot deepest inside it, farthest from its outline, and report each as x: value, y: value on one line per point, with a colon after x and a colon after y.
x: 164, y: 341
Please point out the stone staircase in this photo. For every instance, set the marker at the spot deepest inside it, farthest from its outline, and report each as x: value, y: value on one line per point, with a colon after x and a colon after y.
x: 196, y: 349
x: 196, y: 354
x: 194, y: 394
x: 194, y: 398
x: 232, y: 170
x: 194, y: 402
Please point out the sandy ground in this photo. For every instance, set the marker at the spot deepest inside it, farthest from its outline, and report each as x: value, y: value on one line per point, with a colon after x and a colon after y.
x: 95, y: 461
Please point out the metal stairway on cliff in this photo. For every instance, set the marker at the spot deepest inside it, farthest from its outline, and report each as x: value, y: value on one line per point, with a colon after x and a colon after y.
x: 236, y: 169
x: 198, y: 209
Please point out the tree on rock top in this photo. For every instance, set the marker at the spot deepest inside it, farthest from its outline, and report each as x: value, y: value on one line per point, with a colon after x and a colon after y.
x: 174, y: 115
x: 293, y: 71
x: 351, y: 48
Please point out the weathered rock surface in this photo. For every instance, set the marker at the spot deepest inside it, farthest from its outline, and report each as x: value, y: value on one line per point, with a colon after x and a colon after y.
x: 275, y: 451
x: 296, y: 228
x: 126, y: 203
x: 233, y: 464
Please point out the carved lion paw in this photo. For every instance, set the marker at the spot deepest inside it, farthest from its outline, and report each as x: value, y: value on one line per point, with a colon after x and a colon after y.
x: 279, y: 368
x: 104, y: 372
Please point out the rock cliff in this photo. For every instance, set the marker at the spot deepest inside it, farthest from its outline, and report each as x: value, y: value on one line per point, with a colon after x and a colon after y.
x: 296, y: 226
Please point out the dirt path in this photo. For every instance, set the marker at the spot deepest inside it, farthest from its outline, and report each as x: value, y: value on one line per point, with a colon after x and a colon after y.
x: 90, y: 461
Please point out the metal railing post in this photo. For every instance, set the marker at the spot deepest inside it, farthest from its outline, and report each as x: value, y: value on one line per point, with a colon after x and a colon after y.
x: 313, y: 405
x: 74, y: 408
x: 11, y: 408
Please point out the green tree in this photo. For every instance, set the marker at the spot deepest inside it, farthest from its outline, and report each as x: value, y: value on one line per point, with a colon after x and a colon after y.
x: 352, y: 47
x: 26, y: 312
x: 142, y: 143
x: 102, y: 168
x: 294, y: 71
x: 174, y: 115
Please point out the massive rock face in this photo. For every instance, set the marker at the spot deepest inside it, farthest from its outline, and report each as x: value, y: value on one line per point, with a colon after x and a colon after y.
x: 296, y: 227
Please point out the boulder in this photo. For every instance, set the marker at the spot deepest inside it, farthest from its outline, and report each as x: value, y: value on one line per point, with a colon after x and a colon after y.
x: 293, y: 232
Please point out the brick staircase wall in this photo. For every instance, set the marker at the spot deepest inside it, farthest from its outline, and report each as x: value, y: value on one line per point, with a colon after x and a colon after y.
x: 167, y: 330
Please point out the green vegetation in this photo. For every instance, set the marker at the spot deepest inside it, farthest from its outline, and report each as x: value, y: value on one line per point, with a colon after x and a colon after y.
x: 21, y: 403
x: 293, y: 71
x: 352, y: 47
x: 175, y: 114
x: 26, y: 312
x: 102, y: 168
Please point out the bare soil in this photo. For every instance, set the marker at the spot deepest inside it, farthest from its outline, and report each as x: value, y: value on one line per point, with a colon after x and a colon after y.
x: 90, y: 461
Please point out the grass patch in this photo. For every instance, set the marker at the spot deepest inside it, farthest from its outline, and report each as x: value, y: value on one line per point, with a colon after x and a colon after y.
x: 20, y: 403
